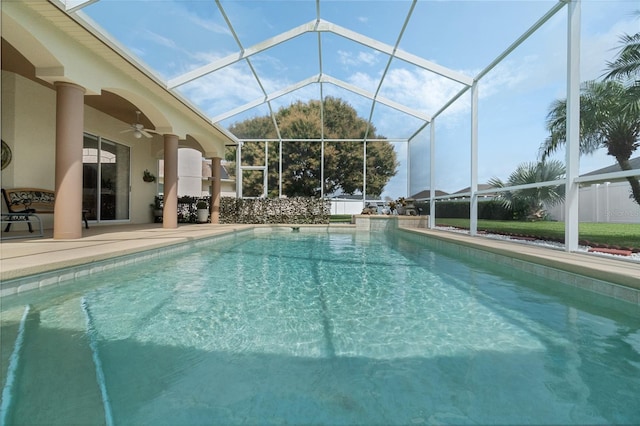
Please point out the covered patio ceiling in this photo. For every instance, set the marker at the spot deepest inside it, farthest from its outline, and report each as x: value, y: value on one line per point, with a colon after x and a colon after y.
x: 244, y: 59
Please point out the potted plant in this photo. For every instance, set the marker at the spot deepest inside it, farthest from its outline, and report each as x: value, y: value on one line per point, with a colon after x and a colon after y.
x: 400, y: 206
x: 157, y: 208
x: 203, y: 211
x: 147, y: 176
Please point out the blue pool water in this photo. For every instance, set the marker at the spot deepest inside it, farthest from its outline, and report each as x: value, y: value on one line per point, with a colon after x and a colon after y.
x: 318, y: 328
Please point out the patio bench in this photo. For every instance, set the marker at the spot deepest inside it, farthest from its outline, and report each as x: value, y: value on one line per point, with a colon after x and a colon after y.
x: 24, y: 204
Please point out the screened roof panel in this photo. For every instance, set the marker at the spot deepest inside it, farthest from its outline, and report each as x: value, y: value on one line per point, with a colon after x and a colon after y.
x: 255, y: 21
x: 381, y: 20
x: 444, y: 47
x: 258, y: 111
x: 385, y: 118
x: 475, y: 31
x: 142, y: 27
x: 344, y: 59
x: 277, y: 71
x: 361, y: 104
x: 304, y: 94
x: 424, y: 90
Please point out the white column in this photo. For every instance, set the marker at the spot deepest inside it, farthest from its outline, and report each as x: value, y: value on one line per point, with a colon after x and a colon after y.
x: 571, y: 234
x: 473, y: 214
x: 239, y: 170
x: 214, y: 206
x: 322, y: 169
x: 364, y: 176
x: 265, y: 174
x: 408, y: 168
x: 432, y: 175
x: 280, y: 172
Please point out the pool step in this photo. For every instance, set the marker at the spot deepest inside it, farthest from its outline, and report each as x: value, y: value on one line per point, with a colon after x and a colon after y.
x: 56, y: 380
x: 12, y: 328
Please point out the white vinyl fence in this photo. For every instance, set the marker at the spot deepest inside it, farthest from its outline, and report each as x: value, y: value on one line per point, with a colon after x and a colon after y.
x: 346, y: 206
x: 603, y: 202
x: 351, y: 206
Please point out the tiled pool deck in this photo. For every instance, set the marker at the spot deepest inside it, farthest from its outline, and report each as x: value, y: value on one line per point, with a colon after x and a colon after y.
x: 23, y: 258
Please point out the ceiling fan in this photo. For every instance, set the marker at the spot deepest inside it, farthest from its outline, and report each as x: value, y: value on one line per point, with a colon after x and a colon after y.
x: 138, y: 129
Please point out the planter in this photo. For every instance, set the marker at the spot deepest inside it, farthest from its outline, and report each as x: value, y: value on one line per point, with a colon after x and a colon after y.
x: 203, y: 215
x: 157, y: 215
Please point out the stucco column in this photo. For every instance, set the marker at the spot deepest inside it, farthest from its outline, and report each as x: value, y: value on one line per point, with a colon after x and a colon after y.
x: 170, y: 210
x: 67, y: 216
x: 215, y: 189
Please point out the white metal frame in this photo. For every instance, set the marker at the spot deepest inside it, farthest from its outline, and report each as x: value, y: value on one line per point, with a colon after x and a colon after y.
x: 320, y: 26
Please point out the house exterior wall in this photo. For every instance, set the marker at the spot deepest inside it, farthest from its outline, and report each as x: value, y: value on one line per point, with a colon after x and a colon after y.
x: 142, y: 158
x: 28, y: 127
x: 64, y: 53
x: 605, y: 202
x: 32, y: 140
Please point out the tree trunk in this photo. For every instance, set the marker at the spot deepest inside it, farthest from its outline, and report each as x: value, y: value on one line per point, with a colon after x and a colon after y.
x: 633, y: 180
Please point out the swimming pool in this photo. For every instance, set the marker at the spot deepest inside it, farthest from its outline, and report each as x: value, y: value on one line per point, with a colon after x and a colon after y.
x: 322, y: 328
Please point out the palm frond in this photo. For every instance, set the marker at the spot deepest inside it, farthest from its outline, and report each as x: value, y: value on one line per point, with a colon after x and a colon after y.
x: 627, y: 64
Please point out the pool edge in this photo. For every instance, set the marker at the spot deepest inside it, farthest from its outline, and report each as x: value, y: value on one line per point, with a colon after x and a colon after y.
x: 608, y: 277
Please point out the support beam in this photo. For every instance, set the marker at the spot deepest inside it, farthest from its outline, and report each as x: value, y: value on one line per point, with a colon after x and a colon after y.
x: 239, y: 171
x: 322, y: 78
x: 473, y: 223
x: 572, y: 189
x: 365, y: 93
x: 364, y: 175
x: 215, y: 189
x: 400, y: 54
x: 432, y: 175
x: 239, y: 56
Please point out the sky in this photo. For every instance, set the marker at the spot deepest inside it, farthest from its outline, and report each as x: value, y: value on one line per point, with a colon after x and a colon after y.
x: 173, y: 37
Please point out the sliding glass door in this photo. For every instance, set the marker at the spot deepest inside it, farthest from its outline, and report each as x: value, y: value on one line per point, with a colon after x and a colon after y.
x: 106, y: 179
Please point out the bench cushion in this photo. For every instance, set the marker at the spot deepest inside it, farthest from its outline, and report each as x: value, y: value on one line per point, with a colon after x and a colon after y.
x: 29, y: 199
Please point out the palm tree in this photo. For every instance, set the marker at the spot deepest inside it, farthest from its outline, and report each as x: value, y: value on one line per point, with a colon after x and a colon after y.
x: 532, y: 200
x: 626, y: 67
x: 606, y: 121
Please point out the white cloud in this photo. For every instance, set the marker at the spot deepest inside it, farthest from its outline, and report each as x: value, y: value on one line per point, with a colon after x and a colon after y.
x: 208, y: 24
x: 358, y: 59
x: 223, y: 90
x: 158, y: 39
x: 421, y: 90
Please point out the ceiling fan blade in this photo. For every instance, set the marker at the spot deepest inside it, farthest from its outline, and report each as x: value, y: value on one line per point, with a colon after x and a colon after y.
x: 127, y: 130
x: 145, y: 133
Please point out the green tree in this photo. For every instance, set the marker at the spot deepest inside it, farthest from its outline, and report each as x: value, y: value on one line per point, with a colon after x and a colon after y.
x: 301, y: 160
x: 528, y: 201
x: 606, y: 121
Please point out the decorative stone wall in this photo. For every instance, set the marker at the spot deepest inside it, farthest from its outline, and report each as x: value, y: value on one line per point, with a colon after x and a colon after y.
x: 297, y: 210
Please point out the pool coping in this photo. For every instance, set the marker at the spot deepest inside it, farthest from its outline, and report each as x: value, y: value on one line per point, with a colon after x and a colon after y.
x: 611, y: 277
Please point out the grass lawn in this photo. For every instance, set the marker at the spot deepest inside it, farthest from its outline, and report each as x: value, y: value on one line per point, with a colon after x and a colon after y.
x: 340, y: 218
x: 612, y: 234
